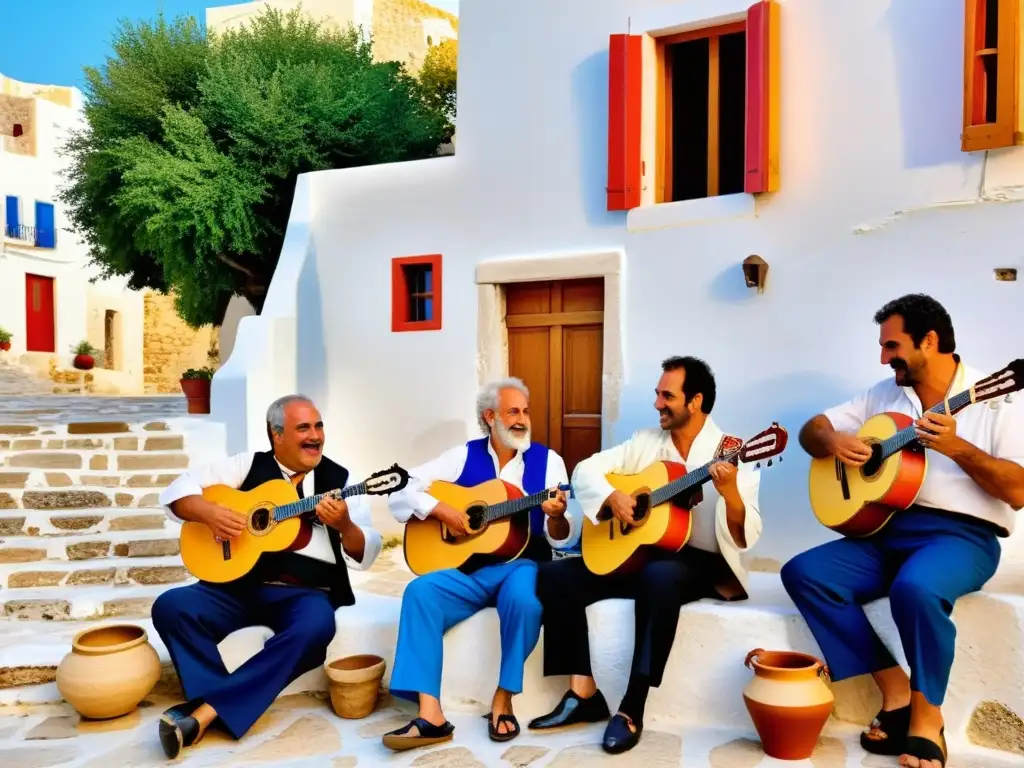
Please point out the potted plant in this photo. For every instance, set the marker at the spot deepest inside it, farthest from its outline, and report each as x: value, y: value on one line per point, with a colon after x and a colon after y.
x: 195, y: 383
x: 84, y: 353
x: 5, y: 339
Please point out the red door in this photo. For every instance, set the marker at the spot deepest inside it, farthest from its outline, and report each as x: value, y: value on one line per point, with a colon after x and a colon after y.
x: 39, y: 315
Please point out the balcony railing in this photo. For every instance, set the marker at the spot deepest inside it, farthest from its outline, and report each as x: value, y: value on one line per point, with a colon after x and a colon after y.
x: 41, y: 238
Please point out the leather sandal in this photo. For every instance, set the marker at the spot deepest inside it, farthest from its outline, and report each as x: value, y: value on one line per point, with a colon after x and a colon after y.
x: 427, y: 734
x: 926, y: 749
x: 894, y: 724
x: 492, y: 728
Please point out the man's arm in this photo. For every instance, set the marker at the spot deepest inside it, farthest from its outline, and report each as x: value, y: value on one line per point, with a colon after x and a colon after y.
x: 183, y: 499
x: 820, y: 434
x: 1002, y: 479
x: 588, y: 479
x: 564, y: 530
x: 737, y: 512
x: 816, y: 436
x: 360, y: 541
x: 413, y: 500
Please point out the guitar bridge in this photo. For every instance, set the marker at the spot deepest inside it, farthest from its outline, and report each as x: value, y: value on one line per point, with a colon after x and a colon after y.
x: 843, y: 481
x: 226, y: 548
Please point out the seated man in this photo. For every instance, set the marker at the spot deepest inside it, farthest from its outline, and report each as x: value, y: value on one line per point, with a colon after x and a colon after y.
x: 435, y: 602
x: 928, y: 556
x: 725, y: 523
x: 293, y: 593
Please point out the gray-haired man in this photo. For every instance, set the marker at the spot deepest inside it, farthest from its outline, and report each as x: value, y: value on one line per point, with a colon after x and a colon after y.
x: 295, y: 593
x: 437, y: 601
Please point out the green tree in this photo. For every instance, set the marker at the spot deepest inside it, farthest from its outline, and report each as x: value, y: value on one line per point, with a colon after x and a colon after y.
x: 438, y: 77
x: 184, y: 176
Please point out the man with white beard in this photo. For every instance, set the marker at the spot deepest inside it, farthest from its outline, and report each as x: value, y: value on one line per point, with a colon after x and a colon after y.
x: 435, y: 602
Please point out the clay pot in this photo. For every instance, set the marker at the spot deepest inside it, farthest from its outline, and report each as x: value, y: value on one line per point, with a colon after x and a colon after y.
x: 197, y: 391
x: 84, y: 362
x: 109, y: 671
x: 788, y: 701
x: 5, y: 346
x: 355, y: 684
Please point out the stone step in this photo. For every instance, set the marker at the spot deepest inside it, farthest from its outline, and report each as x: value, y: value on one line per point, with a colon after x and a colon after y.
x: 83, y: 499
x: 120, y: 461
x: 20, y: 407
x: 34, y: 523
x: 131, y: 600
x: 64, y: 575
x: 144, y: 443
x: 21, y: 550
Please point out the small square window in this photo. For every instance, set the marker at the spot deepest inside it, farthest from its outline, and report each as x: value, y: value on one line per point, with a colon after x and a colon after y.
x: 416, y: 293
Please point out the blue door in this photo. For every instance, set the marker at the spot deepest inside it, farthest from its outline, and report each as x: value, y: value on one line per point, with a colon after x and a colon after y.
x: 46, y: 235
x: 13, y: 216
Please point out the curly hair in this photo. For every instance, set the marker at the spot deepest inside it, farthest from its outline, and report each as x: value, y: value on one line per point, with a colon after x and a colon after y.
x: 921, y: 314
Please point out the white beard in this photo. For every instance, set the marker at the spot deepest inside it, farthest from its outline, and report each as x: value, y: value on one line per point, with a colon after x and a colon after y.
x: 510, y: 439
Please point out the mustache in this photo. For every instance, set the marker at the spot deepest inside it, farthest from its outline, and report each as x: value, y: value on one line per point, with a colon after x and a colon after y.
x: 897, y: 364
x: 311, y: 444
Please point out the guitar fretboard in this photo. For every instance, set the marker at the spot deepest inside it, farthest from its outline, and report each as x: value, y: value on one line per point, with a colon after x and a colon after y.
x: 907, y: 435
x: 308, y: 504
x: 690, y: 479
x: 509, y: 508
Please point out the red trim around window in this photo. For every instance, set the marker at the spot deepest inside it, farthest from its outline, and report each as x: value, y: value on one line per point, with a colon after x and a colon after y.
x: 400, y: 294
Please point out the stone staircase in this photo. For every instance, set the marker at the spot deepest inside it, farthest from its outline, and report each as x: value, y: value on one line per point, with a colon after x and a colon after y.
x: 15, y: 380
x: 82, y: 537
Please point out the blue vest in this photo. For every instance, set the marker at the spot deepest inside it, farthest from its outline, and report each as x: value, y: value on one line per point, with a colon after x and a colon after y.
x: 479, y: 468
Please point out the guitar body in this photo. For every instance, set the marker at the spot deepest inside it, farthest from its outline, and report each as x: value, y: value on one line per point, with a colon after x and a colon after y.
x: 208, y: 560
x: 609, y: 547
x: 429, y: 547
x: 860, y: 501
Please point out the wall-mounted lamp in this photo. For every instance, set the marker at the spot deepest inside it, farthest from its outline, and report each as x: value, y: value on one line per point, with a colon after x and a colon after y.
x: 1006, y: 274
x: 755, y: 272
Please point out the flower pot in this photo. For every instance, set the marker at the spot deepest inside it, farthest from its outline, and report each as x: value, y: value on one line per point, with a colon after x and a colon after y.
x: 109, y: 671
x: 5, y: 346
x: 355, y: 684
x: 788, y: 701
x: 198, y: 393
x: 84, y: 362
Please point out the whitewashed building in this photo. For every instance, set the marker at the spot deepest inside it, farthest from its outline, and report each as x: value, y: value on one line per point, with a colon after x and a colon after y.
x: 618, y: 162
x: 47, y: 301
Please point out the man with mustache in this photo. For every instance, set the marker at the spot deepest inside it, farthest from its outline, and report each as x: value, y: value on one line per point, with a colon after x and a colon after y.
x: 435, y: 602
x: 725, y: 522
x: 927, y: 556
x: 293, y: 593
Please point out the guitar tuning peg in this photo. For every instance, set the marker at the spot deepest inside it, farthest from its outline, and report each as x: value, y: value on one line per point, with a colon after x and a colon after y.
x: 1009, y: 398
x: 757, y: 465
x: 769, y: 462
x: 780, y: 459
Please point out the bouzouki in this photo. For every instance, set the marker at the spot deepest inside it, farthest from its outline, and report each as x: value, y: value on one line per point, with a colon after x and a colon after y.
x: 860, y: 501
x: 276, y: 519
x: 662, y: 515
x: 499, y: 526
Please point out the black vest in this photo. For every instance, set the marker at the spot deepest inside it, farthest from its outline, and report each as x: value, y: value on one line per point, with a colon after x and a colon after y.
x: 307, y: 570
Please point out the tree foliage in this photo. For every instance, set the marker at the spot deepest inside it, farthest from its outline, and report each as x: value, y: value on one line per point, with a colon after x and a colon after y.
x: 184, y: 176
x: 438, y: 76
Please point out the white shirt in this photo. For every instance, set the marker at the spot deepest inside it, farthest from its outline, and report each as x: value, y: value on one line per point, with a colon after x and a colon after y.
x: 414, y: 499
x: 709, y: 518
x: 995, y: 427
x: 232, y: 471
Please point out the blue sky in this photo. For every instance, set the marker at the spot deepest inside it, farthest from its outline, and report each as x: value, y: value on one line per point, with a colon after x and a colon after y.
x: 49, y: 41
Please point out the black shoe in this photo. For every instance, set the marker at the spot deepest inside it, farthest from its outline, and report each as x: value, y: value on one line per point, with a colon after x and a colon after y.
x: 179, y: 729
x: 619, y: 737
x: 573, y: 710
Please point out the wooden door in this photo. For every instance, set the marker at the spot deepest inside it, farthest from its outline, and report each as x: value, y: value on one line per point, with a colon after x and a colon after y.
x: 39, y: 314
x: 555, y: 345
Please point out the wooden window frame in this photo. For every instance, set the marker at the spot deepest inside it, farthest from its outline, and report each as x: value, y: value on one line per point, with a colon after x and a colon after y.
x: 663, y: 137
x: 400, y: 321
x: 977, y: 134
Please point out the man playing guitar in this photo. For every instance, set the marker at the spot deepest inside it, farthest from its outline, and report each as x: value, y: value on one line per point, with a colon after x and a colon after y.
x: 436, y: 601
x: 726, y: 523
x: 927, y: 556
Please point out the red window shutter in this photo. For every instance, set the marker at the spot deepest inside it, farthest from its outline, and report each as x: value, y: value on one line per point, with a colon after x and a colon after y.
x: 762, y: 154
x: 625, y: 81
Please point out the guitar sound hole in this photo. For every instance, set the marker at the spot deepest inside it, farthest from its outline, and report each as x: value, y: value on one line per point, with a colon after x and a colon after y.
x: 873, y: 465
x: 477, y: 517
x: 642, y: 508
x: 260, y: 520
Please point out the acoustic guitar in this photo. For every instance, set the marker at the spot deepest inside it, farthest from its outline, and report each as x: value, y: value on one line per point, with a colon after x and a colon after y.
x: 276, y: 519
x: 860, y: 501
x: 496, y: 528
x: 662, y: 515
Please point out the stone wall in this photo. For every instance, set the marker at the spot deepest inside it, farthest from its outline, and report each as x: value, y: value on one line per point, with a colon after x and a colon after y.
x: 22, y: 110
x: 398, y: 30
x: 169, y: 346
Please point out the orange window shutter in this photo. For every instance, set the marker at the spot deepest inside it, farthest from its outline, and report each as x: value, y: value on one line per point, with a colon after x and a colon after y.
x: 625, y: 81
x: 991, y: 74
x: 762, y: 130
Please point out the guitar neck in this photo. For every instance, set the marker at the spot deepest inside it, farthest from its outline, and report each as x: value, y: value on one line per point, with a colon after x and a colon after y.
x: 692, y: 479
x: 907, y: 435
x: 511, y: 507
x: 308, y: 504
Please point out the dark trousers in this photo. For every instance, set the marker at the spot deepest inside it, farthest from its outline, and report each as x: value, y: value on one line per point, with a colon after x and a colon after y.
x: 924, y: 561
x: 665, y: 583
x: 192, y: 620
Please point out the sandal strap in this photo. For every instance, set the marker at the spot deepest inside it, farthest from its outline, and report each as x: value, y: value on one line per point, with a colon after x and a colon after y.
x: 427, y: 729
x: 925, y: 749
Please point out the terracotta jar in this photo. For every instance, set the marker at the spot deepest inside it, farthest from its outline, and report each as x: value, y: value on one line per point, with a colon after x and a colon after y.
x: 355, y: 684
x: 109, y: 671
x: 788, y: 701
